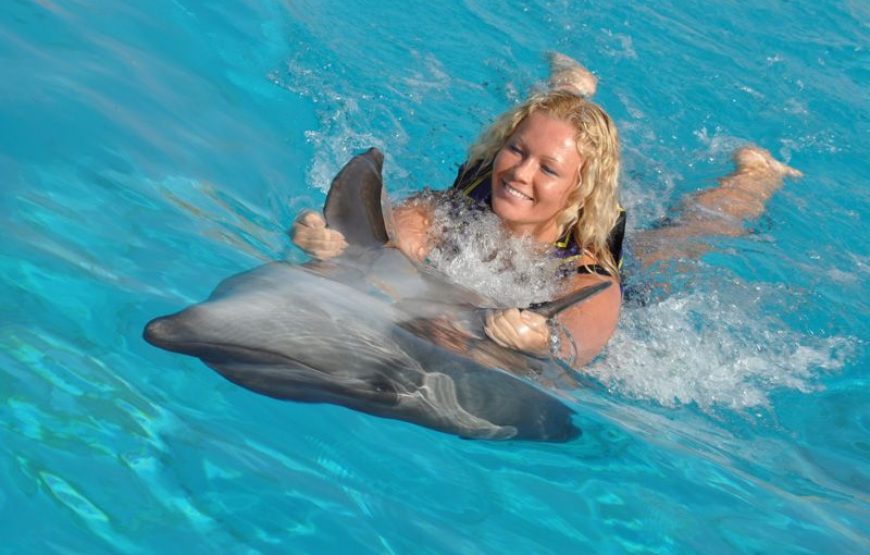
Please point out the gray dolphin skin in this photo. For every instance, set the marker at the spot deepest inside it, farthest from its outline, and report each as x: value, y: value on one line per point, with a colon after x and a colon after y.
x: 372, y: 332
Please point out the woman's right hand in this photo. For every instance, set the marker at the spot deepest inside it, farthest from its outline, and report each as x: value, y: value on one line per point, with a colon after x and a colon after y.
x: 520, y: 330
x: 310, y: 234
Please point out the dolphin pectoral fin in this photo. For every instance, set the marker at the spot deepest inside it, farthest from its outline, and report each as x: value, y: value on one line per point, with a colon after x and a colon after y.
x: 552, y: 308
x: 353, y: 205
x: 486, y: 399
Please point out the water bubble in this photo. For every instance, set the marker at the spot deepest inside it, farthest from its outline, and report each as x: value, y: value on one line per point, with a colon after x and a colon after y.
x: 475, y: 250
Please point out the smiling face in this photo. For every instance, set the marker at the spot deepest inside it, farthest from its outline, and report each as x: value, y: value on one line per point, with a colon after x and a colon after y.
x: 534, y: 174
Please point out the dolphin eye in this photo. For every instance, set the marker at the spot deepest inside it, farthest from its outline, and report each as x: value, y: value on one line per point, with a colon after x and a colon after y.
x: 380, y: 384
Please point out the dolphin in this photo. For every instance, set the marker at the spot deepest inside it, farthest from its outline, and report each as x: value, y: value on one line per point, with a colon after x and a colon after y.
x: 373, y: 332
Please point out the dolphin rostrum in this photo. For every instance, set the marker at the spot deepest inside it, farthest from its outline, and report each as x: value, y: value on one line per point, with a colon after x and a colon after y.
x: 370, y: 331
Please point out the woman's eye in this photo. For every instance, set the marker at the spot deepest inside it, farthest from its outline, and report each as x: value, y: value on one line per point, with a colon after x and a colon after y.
x: 550, y: 171
x: 515, y: 149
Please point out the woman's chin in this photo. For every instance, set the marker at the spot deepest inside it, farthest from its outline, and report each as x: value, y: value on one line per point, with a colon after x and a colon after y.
x: 520, y: 221
x: 511, y: 210
x: 507, y: 212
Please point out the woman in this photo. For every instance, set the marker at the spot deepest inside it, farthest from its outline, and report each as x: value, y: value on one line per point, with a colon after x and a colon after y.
x: 548, y: 168
x: 551, y: 166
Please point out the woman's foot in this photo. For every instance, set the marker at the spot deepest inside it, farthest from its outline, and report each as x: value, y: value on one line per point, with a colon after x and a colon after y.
x: 743, y: 194
x: 567, y: 73
x: 751, y: 158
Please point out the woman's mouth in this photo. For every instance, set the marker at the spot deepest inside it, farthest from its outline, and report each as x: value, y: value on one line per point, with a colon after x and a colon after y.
x: 510, y: 191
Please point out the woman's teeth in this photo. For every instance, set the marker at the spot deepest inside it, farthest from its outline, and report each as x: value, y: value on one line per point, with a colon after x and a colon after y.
x: 515, y: 193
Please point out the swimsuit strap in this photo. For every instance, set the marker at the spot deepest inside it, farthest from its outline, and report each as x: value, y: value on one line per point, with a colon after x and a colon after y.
x: 468, y: 183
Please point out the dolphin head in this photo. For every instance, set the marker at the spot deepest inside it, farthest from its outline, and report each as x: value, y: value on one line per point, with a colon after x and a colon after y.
x: 286, y: 332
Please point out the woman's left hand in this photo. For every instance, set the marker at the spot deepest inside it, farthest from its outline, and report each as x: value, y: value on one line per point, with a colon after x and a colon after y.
x: 521, y: 330
x: 413, y: 222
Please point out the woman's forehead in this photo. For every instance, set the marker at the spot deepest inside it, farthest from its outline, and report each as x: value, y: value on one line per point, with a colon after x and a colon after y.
x: 555, y: 135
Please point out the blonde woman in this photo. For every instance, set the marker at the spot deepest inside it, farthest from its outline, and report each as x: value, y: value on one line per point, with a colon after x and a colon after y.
x: 548, y: 168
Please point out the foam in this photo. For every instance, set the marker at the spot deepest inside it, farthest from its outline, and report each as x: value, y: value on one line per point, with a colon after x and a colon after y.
x: 715, y: 349
x: 718, y: 144
x: 474, y: 250
x: 353, y: 116
x: 717, y: 345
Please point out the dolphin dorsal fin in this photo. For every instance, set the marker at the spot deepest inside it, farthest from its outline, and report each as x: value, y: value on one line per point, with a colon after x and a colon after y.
x: 353, y: 205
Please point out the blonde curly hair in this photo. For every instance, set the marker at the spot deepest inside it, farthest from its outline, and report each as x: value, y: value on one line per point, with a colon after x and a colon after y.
x: 593, y: 207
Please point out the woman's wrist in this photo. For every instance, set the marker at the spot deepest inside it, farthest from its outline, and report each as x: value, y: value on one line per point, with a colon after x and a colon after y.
x: 561, y: 340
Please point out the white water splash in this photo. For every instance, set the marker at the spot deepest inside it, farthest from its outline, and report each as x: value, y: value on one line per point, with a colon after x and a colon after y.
x: 718, y: 349
x: 474, y: 250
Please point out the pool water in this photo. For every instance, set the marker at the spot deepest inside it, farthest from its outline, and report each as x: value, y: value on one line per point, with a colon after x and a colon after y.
x: 150, y: 149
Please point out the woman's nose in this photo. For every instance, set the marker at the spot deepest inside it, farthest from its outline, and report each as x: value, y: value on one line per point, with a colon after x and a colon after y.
x: 523, y: 170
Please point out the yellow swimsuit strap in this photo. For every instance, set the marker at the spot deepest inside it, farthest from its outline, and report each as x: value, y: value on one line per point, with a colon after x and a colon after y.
x: 474, y: 184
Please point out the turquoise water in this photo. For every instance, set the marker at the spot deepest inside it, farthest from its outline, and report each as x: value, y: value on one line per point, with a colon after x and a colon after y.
x: 149, y: 149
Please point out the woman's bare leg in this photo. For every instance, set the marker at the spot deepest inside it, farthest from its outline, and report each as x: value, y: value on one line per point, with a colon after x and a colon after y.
x: 744, y: 193
x: 718, y: 211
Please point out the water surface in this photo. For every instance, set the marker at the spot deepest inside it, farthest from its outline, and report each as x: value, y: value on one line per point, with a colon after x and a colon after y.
x: 148, y: 150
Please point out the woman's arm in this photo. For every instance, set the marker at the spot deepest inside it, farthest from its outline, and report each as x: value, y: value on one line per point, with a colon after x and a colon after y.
x: 587, y: 325
x: 412, y: 221
x: 592, y: 322
x: 310, y: 234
